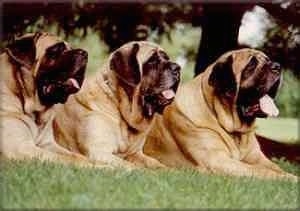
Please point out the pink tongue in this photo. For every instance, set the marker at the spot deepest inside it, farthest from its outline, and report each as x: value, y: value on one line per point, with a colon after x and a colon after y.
x: 47, y: 89
x: 268, y: 106
x: 168, y: 94
x: 73, y: 82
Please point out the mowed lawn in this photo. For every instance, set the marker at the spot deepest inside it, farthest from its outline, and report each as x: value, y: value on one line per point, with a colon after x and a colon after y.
x: 44, y: 185
x: 285, y: 130
x: 33, y: 184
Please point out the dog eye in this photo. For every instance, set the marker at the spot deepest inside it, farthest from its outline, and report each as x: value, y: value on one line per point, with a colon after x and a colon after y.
x: 164, y: 55
x: 152, y: 62
x: 153, y: 59
x: 252, y: 63
x: 55, y: 50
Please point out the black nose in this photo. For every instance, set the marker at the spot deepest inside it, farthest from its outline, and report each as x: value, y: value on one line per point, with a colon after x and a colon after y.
x: 174, y: 67
x: 81, y: 53
x: 175, y: 71
x: 275, y: 66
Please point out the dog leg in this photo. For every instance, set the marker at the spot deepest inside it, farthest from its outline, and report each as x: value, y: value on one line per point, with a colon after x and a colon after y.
x: 220, y: 163
x: 143, y: 160
x: 18, y: 143
x: 55, y: 148
x: 32, y: 152
x: 210, y: 155
x: 110, y: 160
x: 266, y: 163
x: 256, y: 158
x: 47, y: 142
x: 99, y: 141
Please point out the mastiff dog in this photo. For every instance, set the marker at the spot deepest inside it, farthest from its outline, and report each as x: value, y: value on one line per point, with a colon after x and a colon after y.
x: 210, y: 125
x: 108, y: 119
x: 37, y: 71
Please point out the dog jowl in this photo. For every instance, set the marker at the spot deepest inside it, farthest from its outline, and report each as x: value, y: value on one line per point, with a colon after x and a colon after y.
x: 37, y: 71
x: 157, y: 78
x: 61, y: 73
x: 59, y: 70
x: 161, y: 82
x: 254, y: 91
x: 259, y: 86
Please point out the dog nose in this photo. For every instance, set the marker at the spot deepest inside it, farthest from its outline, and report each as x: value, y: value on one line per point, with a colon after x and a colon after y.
x: 81, y: 53
x: 175, y: 67
x: 275, y: 66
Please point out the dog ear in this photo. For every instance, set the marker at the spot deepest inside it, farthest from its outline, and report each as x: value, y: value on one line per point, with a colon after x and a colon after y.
x: 23, y: 50
x: 56, y: 50
x: 223, y: 80
x: 126, y: 65
x: 249, y: 68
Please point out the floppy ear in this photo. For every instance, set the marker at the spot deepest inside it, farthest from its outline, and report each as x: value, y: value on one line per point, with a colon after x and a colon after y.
x: 126, y: 65
x: 23, y: 50
x: 250, y: 67
x: 223, y: 80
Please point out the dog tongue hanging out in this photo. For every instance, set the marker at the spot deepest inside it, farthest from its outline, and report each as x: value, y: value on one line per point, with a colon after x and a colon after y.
x: 211, y: 123
x: 258, y: 89
x: 268, y: 106
x: 108, y: 120
x: 168, y: 94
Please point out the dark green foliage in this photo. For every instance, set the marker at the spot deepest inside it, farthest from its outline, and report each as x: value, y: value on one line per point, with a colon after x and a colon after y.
x: 288, y: 99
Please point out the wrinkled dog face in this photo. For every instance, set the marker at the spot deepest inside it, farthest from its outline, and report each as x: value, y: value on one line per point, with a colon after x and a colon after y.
x: 160, y: 83
x: 259, y: 83
x: 158, y: 79
x: 60, y: 73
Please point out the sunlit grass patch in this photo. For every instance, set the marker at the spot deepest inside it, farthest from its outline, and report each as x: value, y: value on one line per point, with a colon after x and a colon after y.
x: 280, y: 129
x: 32, y: 184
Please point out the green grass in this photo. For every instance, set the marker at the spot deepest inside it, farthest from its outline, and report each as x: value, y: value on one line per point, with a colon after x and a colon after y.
x: 280, y: 129
x: 43, y: 185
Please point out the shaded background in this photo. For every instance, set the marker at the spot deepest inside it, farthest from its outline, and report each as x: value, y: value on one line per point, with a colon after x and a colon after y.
x: 194, y: 33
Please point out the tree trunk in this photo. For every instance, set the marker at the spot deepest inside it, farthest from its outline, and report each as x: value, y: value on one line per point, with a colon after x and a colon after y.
x: 220, y: 29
